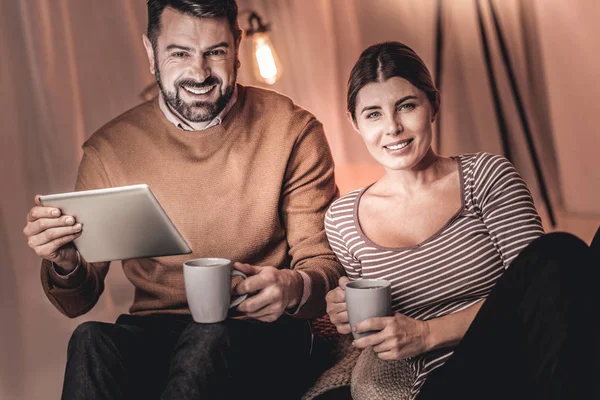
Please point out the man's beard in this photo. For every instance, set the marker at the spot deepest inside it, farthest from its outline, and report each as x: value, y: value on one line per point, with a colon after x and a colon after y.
x: 197, y: 111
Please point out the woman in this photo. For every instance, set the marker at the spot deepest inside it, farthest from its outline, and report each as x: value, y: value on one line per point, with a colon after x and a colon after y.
x: 484, y: 305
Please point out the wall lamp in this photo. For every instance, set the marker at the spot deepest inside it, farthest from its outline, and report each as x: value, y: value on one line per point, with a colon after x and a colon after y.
x: 266, y: 65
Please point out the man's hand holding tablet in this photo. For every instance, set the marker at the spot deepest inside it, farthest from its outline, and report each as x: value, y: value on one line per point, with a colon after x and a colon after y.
x: 50, y: 234
x: 103, y: 225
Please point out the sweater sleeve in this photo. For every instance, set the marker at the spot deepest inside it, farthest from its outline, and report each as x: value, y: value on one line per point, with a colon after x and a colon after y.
x: 308, y: 190
x: 78, y: 292
x: 339, y: 246
x: 506, y: 206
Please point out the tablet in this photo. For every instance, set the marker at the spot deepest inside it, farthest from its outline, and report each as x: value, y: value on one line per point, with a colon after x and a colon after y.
x: 120, y: 223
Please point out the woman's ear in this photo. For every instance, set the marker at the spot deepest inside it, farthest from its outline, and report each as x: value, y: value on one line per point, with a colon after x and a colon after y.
x: 437, y: 108
x: 352, y: 121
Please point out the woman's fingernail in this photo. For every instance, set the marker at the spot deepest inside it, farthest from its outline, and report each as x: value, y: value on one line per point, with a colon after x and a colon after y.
x: 55, y: 213
x: 77, y: 227
x: 69, y: 220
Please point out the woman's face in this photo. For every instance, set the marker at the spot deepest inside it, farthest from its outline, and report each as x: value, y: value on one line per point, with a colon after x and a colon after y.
x: 394, y: 119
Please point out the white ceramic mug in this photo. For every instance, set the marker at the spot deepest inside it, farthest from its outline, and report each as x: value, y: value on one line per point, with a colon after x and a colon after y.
x: 208, y: 288
x: 367, y: 298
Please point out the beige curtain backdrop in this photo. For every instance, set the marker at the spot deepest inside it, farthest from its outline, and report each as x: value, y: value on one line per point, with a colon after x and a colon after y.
x: 69, y: 66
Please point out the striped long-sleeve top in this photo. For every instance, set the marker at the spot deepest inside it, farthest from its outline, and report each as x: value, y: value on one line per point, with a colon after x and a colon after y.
x: 457, y: 266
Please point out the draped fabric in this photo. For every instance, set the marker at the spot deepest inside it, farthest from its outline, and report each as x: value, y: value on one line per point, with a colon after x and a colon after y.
x: 68, y: 66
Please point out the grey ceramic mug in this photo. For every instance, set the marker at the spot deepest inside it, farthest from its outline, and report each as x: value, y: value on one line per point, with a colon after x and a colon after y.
x: 367, y: 298
x: 208, y: 288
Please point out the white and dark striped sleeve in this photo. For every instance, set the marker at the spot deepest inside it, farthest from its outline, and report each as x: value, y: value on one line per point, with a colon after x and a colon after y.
x: 338, y: 245
x: 506, y: 205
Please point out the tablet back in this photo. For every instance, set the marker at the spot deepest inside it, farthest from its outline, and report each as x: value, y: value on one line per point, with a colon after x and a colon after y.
x: 120, y: 223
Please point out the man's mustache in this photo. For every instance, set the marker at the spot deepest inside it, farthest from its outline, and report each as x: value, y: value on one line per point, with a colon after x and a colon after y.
x: 211, y: 80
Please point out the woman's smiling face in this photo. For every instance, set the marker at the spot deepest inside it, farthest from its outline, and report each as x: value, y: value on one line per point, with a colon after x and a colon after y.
x: 394, y: 118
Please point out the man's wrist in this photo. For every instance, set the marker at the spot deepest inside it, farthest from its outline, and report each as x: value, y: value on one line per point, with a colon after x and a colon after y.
x: 297, y: 285
x: 62, y: 271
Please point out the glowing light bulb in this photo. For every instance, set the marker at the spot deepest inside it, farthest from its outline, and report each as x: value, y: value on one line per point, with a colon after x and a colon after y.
x: 266, y: 64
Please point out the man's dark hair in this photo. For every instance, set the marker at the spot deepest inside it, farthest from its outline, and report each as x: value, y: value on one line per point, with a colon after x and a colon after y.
x: 195, y: 8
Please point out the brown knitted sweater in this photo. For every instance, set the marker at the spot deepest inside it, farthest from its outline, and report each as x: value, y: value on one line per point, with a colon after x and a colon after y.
x: 253, y: 189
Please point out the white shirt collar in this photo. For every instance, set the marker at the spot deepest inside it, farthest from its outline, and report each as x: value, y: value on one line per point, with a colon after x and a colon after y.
x: 184, y: 125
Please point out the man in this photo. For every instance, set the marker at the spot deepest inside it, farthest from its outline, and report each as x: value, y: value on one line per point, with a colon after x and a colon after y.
x: 244, y: 174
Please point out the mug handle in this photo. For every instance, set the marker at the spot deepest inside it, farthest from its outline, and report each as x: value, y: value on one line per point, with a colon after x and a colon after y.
x: 237, y: 301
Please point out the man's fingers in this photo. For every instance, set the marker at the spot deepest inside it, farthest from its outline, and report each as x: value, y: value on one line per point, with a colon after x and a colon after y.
x: 50, y: 250
x: 43, y: 225
x: 38, y: 212
x: 268, y: 313
x: 41, y: 222
x: 252, y: 304
x: 51, y: 234
x: 265, y: 314
x: 252, y: 284
x: 260, y: 300
x: 246, y: 268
